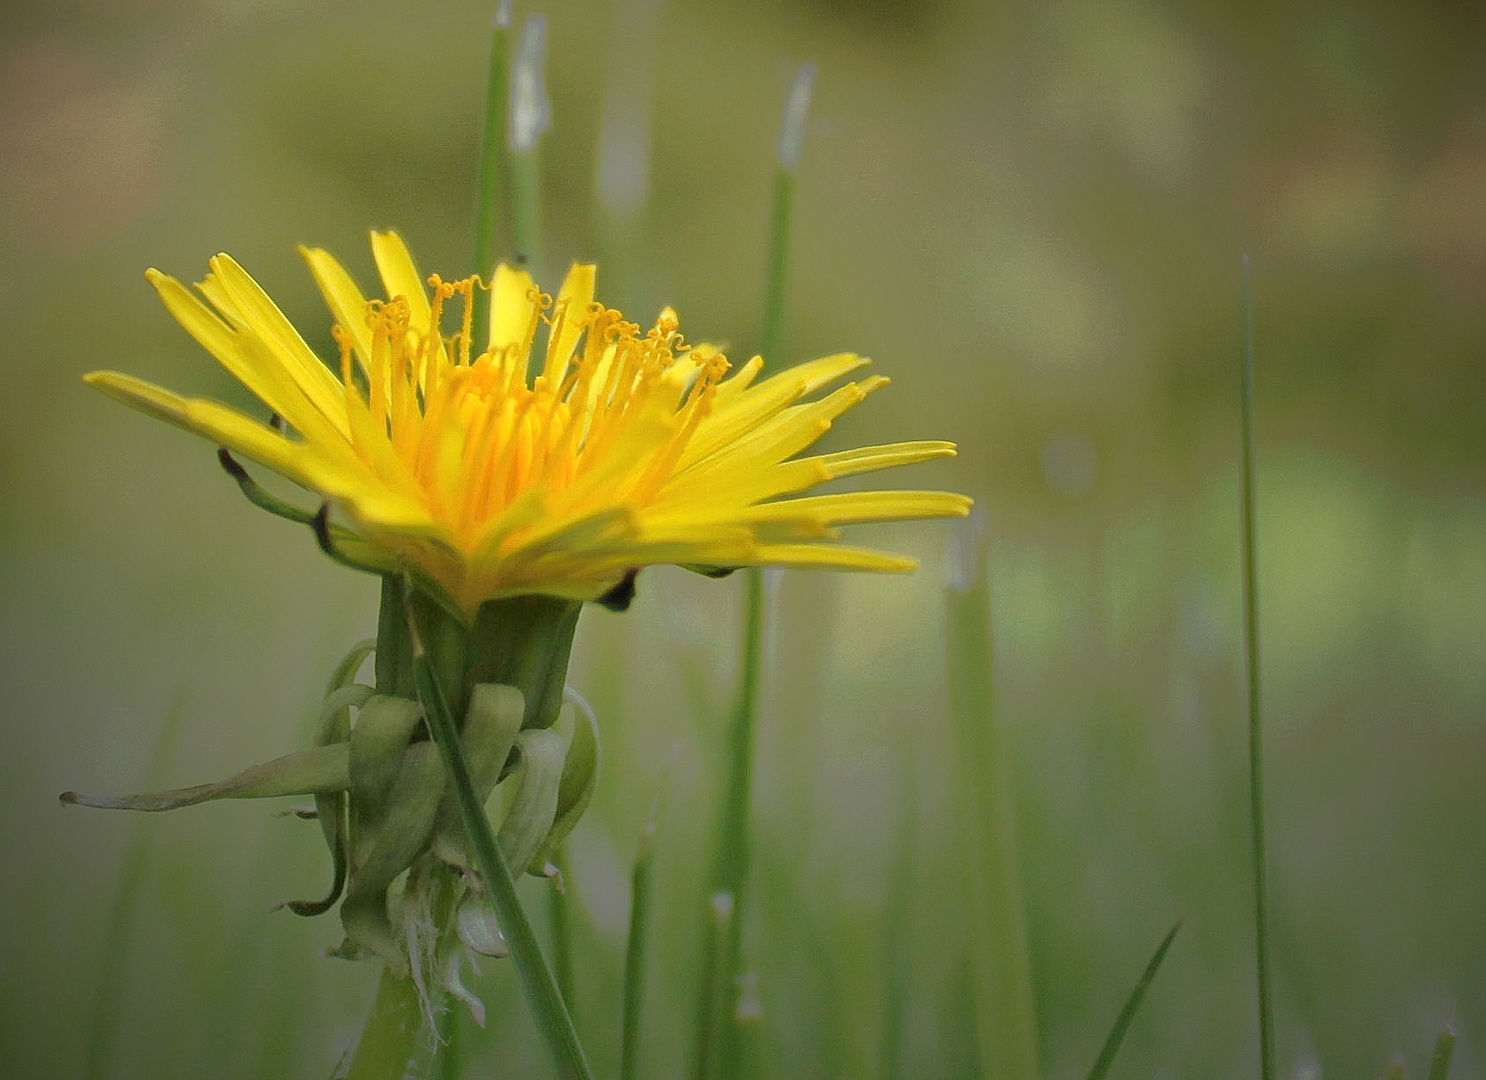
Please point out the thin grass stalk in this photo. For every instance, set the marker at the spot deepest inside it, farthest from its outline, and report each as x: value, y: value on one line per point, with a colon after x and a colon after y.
x: 1256, y: 727
x: 542, y: 994
x: 897, y: 950
x: 493, y: 166
x: 1132, y: 1006
x: 719, y: 991
x: 718, y: 1000
x: 1001, y: 971
x: 1444, y: 1049
x: 791, y: 144
x: 530, y: 117
x: 634, y: 956
x: 122, y: 916
x: 718, y: 1047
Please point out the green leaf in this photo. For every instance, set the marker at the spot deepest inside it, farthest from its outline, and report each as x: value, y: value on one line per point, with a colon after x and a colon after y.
x: 323, y: 768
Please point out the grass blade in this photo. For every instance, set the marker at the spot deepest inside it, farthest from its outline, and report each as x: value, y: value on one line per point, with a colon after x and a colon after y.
x: 634, y: 956
x: 1001, y: 969
x: 718, y: 1050
x: 1256, y: 726
x: 121, y: 919
x: 1444, y: 1049
x: 530, y: 117
x: 1132, y: 1005
x: 493, y: 175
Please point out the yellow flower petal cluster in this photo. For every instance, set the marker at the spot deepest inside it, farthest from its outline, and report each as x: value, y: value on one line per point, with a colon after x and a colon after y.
x: 622, y: 449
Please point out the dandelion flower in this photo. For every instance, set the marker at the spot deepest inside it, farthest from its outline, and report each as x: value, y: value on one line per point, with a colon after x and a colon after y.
x: 565, y: 450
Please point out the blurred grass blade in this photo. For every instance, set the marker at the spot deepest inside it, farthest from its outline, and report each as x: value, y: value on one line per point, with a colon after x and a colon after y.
x: 718, y: 993
x: 1256, y: 727
x: 531, y: 115
x: 492, y: 176
x: 121, y: 919
x: 634, y: 955
x: 1001, y: 969
x: 897, y: 950
x: 717, y: 1027
x: 1132, y: 1005
x: 791, y: 143
x: 1444, y: 1049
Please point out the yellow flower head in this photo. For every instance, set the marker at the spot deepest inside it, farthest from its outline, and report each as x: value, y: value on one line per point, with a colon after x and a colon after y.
x: 449, y: 459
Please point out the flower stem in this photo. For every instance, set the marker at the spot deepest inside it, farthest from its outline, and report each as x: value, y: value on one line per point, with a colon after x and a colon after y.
x: 541, y: 989
x: 1001, y: 970
x: 1256, y: 727
x: 390, y: 1038
x: 492, y: 163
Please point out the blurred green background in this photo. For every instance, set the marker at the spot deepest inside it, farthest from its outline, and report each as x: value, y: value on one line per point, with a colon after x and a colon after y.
x: 1031, y: 215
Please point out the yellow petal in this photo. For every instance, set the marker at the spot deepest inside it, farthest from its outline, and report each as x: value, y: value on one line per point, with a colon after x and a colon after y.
x: 572, y: 309
x: 267, y: 322
x: 343, y: 297
x: 831, y: 557
x: 857, y: 506
x: 510, y: 307
x: 269, y: 381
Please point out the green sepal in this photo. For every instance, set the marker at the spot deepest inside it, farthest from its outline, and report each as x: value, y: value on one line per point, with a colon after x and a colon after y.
x: 710, y: 571
x: 383, y: 730
x: 308, y: 772
x: 387, y: 843
x: 580, y: 773
x: 345, y: 671
x: 531, y: 814
x: 490, y: 726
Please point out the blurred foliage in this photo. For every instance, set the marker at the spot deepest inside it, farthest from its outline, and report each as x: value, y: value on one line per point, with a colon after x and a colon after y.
x: 1031, y: 214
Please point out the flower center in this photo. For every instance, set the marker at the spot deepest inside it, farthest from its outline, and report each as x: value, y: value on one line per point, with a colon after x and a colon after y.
x: 468, y: 434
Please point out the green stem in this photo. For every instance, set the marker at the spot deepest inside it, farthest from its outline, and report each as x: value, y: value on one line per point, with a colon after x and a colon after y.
x: 542, y: 994
x: 492, y: 164
x: 1001, y: 970
x: 634, y: 957
x: 390, y: 1038
x: 1256, y: 727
